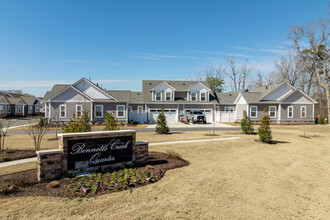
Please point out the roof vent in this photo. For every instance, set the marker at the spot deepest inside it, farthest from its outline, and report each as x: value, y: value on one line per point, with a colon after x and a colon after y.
x: 149, y: 83
x: 266, y: 87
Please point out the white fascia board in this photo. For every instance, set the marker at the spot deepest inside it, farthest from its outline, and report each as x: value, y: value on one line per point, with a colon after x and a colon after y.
x: 92, y: 84
x: 70, y: 87
x: 207, y: 88
x: 237, y: 98
x: 153, y: 89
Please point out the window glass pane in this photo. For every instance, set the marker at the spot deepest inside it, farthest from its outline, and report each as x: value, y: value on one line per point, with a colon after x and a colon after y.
x: 168, y: 96
x: 253, y: 111
x: 193, y: 96
x: 203, y: 96
x: 62, y: 111
x: 120, y: 111
x: 98, y: 111
x: 158, y: 96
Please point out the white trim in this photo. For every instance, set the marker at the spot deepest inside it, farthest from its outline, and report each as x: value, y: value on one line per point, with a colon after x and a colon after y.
x: 301, y: 107
x: 256, y: 111
x: 140, y: 106
x: 298, y: 103
x: 81, y: 110
x: 67, y: 101
x: 269, y: 111
x: 70, y: 87
x: 123, y: 116
x: 200, y: 97
x: 60, y: 109
x: 161, y: 98
x: 170, y: 92
x: 92, y: 84
x: 192, y: 97
x: 101, y: 111
x: 291, y: 106
x: 207, y: 88
x: 284, y: 95
x: 279, y: 111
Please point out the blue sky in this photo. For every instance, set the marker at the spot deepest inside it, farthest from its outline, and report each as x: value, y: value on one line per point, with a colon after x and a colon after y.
x: 120, y: 43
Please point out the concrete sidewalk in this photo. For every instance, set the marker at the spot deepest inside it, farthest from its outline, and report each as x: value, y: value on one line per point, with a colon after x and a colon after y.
x: 197, y: 125
x: 34, y: 159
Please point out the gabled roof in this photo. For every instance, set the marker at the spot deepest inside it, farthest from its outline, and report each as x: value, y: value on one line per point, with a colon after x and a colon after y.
x: 120, y: 95
x: 15, y: 100
x: 268, y: 89
x: 56, y: 88
x: 166, y: 84
x: 228, y: 97
x: 206, y: 87
x: 3, y: 95
x: 29, y: 100
x: 70, y: 87
x: 95, y: 86
x: 14, y: 95
x: 137, y: 97
x: 293, y: 92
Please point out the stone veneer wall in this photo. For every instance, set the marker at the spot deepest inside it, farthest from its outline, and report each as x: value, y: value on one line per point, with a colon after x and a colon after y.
x: 52, y: 164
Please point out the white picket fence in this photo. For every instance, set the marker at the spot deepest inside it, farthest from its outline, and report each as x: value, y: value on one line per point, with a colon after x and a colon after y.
x: 225, y: 116
x: 140, y: 117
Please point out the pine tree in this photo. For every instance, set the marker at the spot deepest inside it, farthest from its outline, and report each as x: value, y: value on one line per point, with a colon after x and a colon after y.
x: 78, y: 124
x: 264, y: 132
x: 162, y: 127
x: 110, y: 122
x: 246, y: 124
x: 321, y: 120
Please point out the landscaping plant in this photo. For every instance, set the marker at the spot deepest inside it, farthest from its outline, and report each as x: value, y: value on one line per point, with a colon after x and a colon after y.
x: 37, y: 132
x: 246, y: 124
x: 162, y: 127
x: 4, y: 125
x: 110, y: 122
x: 264, y: 132
x: 321, y: 120
x: 78, y: 124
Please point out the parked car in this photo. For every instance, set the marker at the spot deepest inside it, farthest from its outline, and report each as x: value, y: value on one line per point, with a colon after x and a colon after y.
x: 196, y: 116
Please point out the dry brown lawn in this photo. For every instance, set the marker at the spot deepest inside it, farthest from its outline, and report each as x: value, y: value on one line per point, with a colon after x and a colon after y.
x: 233, y: 179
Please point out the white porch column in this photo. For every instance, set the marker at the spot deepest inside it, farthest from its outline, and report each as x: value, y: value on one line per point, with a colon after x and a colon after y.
x: 92, y: 111
x: 279, y: 113
x: 50, y: 111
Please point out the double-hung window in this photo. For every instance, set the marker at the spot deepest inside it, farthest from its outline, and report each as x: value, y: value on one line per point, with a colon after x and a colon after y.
x: 62, y: 111
x: 303, y: 112
x: 120, y: 111
x: 253, y: 112
x: 78, y: 110
x: 272, y: 111
x: 140, y: 109
x: 158, y: 96
x: 168, y: 96
x: 203, y: 96
x: 290, y: 112
x: 193, y: 96
x: 99, y: 111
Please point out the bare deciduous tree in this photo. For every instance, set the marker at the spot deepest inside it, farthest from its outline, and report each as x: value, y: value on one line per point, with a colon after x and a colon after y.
x: 289, y: 68
x: 36, y: 132
x: 214, y: 77
x: 317, y: 37
x: 238, y: 75
x: 4, y: 126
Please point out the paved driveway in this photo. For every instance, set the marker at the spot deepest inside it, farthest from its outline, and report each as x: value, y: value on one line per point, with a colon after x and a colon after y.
x: 197, y: 125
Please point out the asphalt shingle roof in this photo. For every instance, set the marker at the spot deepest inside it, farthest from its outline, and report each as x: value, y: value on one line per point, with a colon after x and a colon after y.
x: 56, y: 88
x: 28, y: 99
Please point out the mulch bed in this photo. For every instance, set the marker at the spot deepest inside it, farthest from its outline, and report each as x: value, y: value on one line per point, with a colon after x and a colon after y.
x: 9, y: 155
x: 26, y: 183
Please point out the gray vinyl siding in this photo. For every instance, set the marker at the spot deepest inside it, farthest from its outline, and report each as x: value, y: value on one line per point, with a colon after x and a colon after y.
x: 4, y: 109
x: 261, y: 113
x: 239, y: 110
x: 135, y: 106
x: 222, y: 107
x: 296, y: 112
x: 110, y: 108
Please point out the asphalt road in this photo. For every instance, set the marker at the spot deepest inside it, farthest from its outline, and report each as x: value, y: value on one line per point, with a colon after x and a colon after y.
x: 150, y: 130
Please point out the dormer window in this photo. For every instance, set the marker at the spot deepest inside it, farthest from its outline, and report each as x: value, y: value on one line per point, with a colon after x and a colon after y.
x: 193, y: 96
x: 158, y: 96
x: 168, y: 96
x: 203, y: 96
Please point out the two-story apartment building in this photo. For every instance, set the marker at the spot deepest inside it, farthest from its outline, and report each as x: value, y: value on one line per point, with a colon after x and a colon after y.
x: 176, y: 98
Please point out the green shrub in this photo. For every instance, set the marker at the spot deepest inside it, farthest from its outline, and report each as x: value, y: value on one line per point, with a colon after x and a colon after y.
x: 78, y: 124
x: 246, y: 124
x: 264, y: 132
x: 162, y: 127
x: 321, y: 120
x: 41, y: 122
x: 110, y: 122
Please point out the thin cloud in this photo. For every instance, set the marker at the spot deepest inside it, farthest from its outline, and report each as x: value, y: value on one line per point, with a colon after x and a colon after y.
x: 85, y: 61
x: 275, y: 51
x: 218, y: 53
x: 156, y: 57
